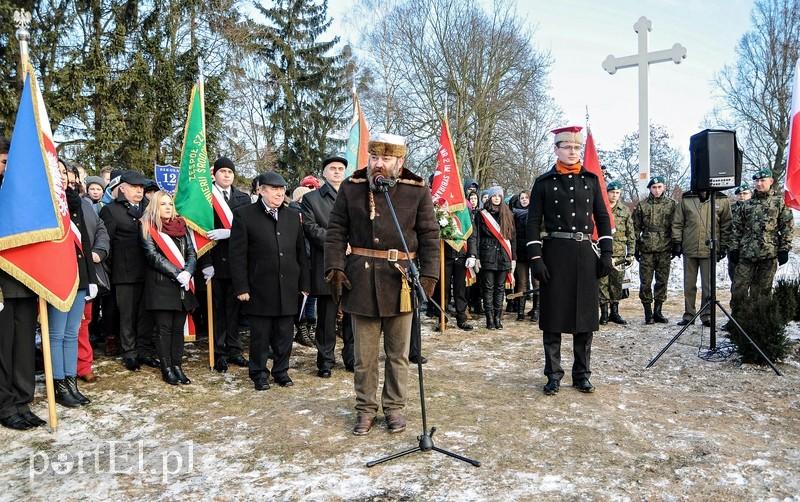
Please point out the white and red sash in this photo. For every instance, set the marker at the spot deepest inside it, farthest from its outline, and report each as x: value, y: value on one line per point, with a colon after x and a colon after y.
x: 174, y: 255
x: 221, y: 207
x: 494, y: 229
x: 75, y: 233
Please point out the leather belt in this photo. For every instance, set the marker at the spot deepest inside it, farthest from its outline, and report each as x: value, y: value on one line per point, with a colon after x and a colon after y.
x: 577, y: 236
x: 386, y: 254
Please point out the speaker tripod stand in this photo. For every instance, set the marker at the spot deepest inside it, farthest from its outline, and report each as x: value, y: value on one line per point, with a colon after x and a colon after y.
x: 712, y: 303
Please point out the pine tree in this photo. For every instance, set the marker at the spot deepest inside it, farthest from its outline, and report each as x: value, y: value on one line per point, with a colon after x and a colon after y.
x: 766, y: 326
x: 307, y: 83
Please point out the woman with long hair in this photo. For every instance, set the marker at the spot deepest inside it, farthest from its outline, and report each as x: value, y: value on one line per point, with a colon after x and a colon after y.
x: 171, y: 262
x: 64, y: 325
x: 497, y: 253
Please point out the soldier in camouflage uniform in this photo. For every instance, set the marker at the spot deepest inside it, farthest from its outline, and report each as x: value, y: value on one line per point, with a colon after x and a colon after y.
x: 652, y: 223
x: 623, y: 251
x: 743, y: 193
x: 761, y: 233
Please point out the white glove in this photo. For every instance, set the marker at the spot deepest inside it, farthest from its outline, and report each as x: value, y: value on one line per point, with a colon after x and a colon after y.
x: 219, y: 234
x: 92, y: 292
x: 1, y: 306
x: 208, y: 272
x: 477, y: 266
x: 184, y: 278
x: 186, y: 286
x: 513, y: 266
x: 470, y: 262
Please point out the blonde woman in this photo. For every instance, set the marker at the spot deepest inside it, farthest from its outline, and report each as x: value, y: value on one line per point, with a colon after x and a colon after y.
x: 171, y: 262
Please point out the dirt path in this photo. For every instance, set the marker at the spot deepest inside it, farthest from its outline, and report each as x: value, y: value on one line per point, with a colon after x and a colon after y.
x: 685, y: 430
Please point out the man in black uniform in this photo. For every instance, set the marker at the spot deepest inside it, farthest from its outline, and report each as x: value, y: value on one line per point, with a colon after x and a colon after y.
x: 317, y: 206
x: 269, y: 271
x: 227, y: 342
x: 121, y: 218
x: 566, y: 198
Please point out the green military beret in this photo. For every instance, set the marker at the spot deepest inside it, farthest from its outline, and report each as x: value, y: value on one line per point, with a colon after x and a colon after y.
x: 764, y: 172
x: 655, y: 180
x: 613, y: 185
x: 744, y: 187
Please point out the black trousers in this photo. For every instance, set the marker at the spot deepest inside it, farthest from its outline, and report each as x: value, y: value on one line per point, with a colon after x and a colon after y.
x: 493, y: 285
x: 169, y: 340
x: 581, y: 349
x: 455, y: 276
x: 227, y: 340
x: 266, y: 332
x: 135, y: 323
x: 17, y: 352
x: 326, y: 335
x: 109, y: 314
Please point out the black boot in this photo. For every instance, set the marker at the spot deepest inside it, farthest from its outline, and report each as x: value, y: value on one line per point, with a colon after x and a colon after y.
x: 657, y: 316
x: 63, y: 396
x: 534, y: 312
x: 182, y: 378
x: 72, y: 385
x: 461, y: 322
x: 169, y: 376
x: 615, y: 317
x: 604, y: 313
x: 648, y: 313
x: 511, y: 305
x: 521, y: 311
x: 489, y: 319
x: 498, y: 316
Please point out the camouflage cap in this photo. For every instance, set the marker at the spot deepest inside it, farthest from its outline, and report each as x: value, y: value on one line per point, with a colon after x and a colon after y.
x: 655, y: 180
x: 762, y: 173
x: 613, y: 185
x: 744, y: 187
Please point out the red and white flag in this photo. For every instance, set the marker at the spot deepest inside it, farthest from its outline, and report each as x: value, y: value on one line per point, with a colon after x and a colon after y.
x: 792, y: 194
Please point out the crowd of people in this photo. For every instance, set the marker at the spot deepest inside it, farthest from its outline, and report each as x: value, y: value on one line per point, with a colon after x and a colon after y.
x: 327, y: 263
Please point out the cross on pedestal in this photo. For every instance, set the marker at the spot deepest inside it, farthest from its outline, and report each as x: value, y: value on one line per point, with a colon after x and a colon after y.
x: 643, y: 60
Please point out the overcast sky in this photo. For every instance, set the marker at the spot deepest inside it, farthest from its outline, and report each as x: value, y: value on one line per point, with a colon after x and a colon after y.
x: 579, y: 34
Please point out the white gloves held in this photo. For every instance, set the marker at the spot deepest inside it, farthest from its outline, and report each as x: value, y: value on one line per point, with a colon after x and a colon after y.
x: 470, y: 262
x: 219, y: 234
x: 1, y: 307
x: 208, y: 272
x: 184, y: 278
x: 92, y: 294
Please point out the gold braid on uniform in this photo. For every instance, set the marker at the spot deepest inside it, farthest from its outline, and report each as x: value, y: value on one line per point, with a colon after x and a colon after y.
x: 371, y: 205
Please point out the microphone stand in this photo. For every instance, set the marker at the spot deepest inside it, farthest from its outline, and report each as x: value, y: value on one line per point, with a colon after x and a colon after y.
x: 426, y: 438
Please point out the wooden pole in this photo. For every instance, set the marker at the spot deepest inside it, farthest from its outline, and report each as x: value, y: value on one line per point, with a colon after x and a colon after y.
x: 48, y: 366
x: 442, y: 285
x: 210, y: 308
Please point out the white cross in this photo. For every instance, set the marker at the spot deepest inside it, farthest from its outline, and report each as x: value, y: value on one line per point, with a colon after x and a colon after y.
x: 643, y: 60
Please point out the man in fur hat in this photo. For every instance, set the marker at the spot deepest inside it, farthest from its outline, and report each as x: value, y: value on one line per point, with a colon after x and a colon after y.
x: 376, y: 265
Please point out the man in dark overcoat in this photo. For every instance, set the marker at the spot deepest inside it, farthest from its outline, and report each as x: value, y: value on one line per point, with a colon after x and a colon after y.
x: 269, y: 270
x: 216, y: 264
x: 121, y: 218
x: 317, y: 206
x: 379, y: 300
x: 565, y: 199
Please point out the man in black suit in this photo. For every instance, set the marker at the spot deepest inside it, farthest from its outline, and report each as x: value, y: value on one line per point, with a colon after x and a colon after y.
x: 269, y: 270
x: 317, y: 206
x: 121, y: 218
x: 227, y: 342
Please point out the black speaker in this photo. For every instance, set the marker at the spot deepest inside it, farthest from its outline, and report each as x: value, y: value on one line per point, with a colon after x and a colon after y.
x: 716, y: 160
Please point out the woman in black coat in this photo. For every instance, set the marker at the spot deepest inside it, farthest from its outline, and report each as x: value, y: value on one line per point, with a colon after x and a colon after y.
x: 171, y: 262
x: 496, y: 259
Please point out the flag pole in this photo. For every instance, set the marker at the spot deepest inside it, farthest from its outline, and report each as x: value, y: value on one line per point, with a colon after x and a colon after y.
x: 210, y: 308
x: 442, y: 324
x: 48, y: 366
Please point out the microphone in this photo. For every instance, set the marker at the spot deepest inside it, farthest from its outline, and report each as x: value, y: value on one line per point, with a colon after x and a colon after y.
x: 380, y: 181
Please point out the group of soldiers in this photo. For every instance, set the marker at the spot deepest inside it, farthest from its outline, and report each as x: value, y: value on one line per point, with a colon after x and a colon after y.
x: 754, y: 232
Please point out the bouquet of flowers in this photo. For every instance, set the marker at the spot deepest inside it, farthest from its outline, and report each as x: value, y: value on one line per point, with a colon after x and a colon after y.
x: 448, y: 227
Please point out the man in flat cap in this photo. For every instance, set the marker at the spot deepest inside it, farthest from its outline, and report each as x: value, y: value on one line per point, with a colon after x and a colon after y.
x: 317, y: 206
x: 762, y: 239
x: 567, y: 202
x: 216, y: 264
x: 121, y: 218
x: 652, y: 223
x: 269, y: 271
x: 624, y: 249
x: 379, y: 300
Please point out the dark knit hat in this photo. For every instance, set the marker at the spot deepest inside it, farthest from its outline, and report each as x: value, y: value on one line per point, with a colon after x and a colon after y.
x: 223, y: 162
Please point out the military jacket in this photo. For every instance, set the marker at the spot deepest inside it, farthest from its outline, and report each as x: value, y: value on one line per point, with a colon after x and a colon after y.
x: 624, y: 234
x: 763, y: 227
x: 652, y: 223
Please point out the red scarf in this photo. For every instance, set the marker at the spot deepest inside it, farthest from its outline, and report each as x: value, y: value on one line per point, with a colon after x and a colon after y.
x: 175, y: 227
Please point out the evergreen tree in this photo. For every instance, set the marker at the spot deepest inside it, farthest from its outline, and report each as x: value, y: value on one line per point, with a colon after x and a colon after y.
x: 766, y: 326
